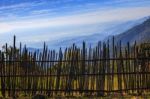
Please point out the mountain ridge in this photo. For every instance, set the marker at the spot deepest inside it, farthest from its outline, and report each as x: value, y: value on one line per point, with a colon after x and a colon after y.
x: 95, y: 37
x: 139, y: 33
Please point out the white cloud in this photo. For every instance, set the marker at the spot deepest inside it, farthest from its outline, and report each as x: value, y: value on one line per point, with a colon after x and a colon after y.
x: 44, y: 11
x: 4, y: 27
x: 21, y: 5
x: 99, y: 16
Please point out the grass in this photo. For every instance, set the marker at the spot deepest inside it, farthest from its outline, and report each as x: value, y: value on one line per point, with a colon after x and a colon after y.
x: 91, y: 97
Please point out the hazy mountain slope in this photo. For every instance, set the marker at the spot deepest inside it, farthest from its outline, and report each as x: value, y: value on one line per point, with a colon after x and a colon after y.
x: 139, y: 33
x: 112, y: 29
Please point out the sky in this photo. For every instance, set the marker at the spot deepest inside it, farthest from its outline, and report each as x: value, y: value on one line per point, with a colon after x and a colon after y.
x: 36, y: 21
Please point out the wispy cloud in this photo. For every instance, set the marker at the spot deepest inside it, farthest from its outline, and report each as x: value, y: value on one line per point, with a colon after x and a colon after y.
x: 61, y: 7
x: 71, y: 17
x: 22, y: 5
x: 122, y: 14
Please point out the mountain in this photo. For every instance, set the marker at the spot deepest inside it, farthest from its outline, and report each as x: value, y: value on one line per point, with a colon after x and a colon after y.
x: 139, y: 33
x: 122, y: 31
x: 92, y: 39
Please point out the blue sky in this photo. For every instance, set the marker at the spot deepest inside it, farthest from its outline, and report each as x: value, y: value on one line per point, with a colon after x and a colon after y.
x: 36, y: 21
